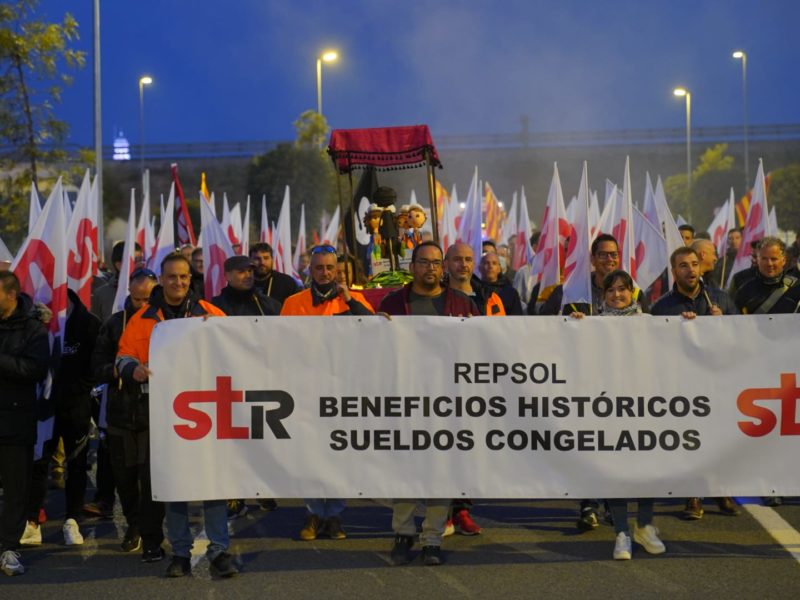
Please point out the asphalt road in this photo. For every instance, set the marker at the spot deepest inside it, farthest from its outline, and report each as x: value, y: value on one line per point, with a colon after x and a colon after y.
x: 527, y: 549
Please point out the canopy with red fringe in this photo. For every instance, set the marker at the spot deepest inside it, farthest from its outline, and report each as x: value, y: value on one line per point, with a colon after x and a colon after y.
x: 384, y: 148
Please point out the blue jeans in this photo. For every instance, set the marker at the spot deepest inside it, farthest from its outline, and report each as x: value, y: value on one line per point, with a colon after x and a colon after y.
x: 215, y: 518
x: 325, y: 509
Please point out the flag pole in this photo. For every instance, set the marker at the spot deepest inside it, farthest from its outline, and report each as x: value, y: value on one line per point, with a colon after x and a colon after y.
x: 432, y: 196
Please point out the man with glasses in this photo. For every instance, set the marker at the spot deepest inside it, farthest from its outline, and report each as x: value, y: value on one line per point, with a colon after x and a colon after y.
x: 172, y: 299
x: 424, y: 296
x: 129, y: 428
x: 268, y: 281
x: 325, y: 297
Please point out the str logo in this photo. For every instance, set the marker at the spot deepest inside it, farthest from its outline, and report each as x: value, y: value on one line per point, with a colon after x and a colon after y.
x: 224, y: 397
x: 766, y: 419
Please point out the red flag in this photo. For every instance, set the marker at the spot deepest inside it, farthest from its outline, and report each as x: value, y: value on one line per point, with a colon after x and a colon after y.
x: 183, y: 221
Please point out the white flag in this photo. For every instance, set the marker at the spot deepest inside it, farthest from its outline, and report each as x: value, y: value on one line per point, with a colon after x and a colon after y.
x: 650, y: 250
x: 756, y: 225
x: 300, y: 247
x: 332, y: 232
x: 216, y: 249
x: 166, y: 236
x: 577, y: 265
x: 127, y: 267
x: 548, y: 261
x: 469, y: 231
x: 282, y: 247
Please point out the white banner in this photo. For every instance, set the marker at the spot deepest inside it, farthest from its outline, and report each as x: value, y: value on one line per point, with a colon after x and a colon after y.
x: 432, y: 407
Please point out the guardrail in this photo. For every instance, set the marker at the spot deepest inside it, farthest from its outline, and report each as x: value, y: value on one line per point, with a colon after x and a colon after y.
x: 522, y: 139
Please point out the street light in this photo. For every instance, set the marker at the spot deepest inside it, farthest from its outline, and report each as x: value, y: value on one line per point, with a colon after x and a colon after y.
x: 328, y: 56
x: 740, y: 54
x: 679, y: 91
x: 143, y: 81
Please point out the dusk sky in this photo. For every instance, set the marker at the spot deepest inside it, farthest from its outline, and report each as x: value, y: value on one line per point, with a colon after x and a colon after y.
x: 245, y: 69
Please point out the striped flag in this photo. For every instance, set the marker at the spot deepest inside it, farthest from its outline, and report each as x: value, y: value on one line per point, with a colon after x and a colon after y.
x: 183, y: 222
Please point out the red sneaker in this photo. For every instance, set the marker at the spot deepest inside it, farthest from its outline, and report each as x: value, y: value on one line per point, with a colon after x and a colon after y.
x: 42, y: 517
x: 464, y: 523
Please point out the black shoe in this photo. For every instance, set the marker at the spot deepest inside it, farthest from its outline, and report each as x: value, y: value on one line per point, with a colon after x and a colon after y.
x: 180, y: 566
x: 773, y: 501
x: 222, y: 566
x: 401, y: 551
x: 431, y: 556
x: 152, y: 555
x: 267, y: 504
x: 587, y: 519
x: 333, y: 527
x: 236, y: 509
x: 132, y: 541
x: 727, y: 506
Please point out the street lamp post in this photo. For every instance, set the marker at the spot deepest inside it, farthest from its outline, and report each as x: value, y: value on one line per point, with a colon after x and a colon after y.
x: 143, y: 81
x: 328, y: 56
x: 684, y: 92
x: 740, y: 54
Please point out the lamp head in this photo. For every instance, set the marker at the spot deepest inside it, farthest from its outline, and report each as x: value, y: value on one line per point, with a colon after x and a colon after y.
x: 329, y: 56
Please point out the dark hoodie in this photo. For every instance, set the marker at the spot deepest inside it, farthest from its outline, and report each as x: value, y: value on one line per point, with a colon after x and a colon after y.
x: 73, y: 380
x: 24, y: 358
x: 238, y: 303
x: 503, y: 288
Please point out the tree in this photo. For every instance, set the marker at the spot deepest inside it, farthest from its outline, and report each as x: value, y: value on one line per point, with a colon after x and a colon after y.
x: 304, y: 166
x: 711, y: 183
x: 784, y: 195
x: 35, y: 62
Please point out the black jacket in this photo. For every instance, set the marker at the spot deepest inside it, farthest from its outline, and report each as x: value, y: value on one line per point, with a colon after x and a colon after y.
x: 278, y: 286
x: 24, y: 358
x: 126, y: 407
x: 757, y: 290
x: 552, y: 305
x: 503, y: 288
x: 73, y: 380
x: 675, y: 303
x: 245, y: 304
x: 103, y: 298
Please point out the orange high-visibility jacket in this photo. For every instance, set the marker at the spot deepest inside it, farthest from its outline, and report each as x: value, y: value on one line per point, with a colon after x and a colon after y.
x: 301, y: 305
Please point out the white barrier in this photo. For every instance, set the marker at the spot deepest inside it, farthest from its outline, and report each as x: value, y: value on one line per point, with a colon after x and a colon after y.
x: 514, y: 407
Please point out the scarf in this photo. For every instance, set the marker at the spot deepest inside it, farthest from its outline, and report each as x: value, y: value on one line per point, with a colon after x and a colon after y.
x: 323, y: 293
x: 632, y: 309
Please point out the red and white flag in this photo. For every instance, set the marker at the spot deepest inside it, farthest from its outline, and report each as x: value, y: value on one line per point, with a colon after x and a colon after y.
x: 300, y: 247
x: 216, y: 249
x: 282, y: 248
x: 773, y: 221
x: 82, y: 257
x: 183, y: 221
x: 650, y: 250
x: 756, y: 225
x: 265, y: 235
x: 41, y: 266
x: 649, y: 207
x: 165, y: 244
x: 510, y: 225
x: 128, y: 265
x: 35, y: 208
x: 618, y: 221
x: 245, y: 250
x: 548, y: 263
x: 145, y: 235
x: 718, y: 229
x: 523, y: 252
x: 469, y: 230
x: 577, y: 265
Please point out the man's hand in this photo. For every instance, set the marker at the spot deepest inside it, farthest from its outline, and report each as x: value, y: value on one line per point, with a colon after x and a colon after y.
x: 576, y: 315
x: 344, y: 292
x: 45, y: 314
x: 716, y: 310
x: 141, y: 373
x: 688, y: 315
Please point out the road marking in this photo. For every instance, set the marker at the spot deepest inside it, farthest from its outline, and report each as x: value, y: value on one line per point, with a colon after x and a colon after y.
x: 783, y: 533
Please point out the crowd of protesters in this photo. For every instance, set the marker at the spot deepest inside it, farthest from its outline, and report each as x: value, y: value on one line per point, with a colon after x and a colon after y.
x: 101, y: 379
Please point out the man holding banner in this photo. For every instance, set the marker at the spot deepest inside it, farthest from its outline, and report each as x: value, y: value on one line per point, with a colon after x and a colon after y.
x: 172, y: 300
x: 326, y: 297
x: 424, y: 296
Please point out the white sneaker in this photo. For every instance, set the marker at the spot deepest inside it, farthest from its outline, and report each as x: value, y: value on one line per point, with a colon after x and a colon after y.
x: 9, y: 563
x: 647, y: 537
x: 622, y: 547
x: 32, y: 536
x: 72, y: 535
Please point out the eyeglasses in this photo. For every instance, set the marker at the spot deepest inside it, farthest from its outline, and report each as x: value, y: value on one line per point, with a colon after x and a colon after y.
x: 425, y: 263
x: 143, y: 273
x: 323, y: 249
x: 606, y: 255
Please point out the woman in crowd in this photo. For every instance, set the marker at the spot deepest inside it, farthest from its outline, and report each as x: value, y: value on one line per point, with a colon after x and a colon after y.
x: 618, y: 301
